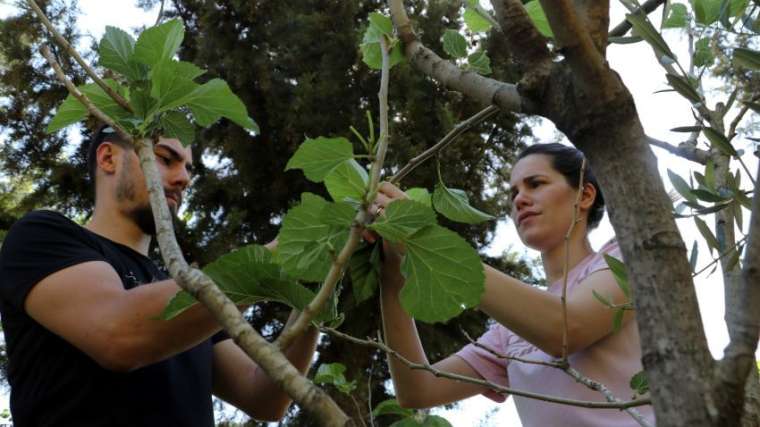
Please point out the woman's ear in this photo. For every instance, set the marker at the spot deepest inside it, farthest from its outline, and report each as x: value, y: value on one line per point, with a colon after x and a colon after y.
x: 587, y: 197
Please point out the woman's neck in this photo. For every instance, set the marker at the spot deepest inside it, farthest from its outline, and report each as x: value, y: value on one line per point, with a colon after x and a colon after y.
x: 554, y: 259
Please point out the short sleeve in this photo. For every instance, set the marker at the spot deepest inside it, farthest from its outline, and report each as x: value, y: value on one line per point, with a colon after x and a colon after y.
x: 38, y: 245
x: 491, y: 367
x: 610, y: 248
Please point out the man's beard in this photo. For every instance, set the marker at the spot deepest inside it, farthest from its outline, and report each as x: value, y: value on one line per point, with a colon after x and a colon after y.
x: 142, y: 214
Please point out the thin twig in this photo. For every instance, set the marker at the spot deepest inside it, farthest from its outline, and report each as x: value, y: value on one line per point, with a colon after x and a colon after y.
x: 445, y: 142
x: 358, y: 410
x: 496, y: 387
x: 362, y: 218
x: 623, y: 27
x: 566, y: 267
x: 684, y: 150
x: 721, y: 256
x: 160, y: 13
x: 607, y: 393
x: 369, y: 392
x: 565, y: 367
x: 78, y: 58
x: 550, y: 364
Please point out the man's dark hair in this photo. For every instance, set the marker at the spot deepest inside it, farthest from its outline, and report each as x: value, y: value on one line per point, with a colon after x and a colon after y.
x: 568, y: 161
x: 104, y: 134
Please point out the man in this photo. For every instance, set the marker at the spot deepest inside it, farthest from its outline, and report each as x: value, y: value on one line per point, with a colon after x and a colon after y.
x: 79, y: 308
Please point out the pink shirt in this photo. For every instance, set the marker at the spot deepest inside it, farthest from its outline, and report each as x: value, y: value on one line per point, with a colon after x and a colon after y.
x: 612, y: 361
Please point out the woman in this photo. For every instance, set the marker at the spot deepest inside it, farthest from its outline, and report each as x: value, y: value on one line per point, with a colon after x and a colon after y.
x: 529, y: 322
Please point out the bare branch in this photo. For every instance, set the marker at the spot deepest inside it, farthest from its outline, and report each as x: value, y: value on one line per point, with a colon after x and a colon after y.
x: 622, y: 28
x: 481, y: 89
x: 74, y: 54
x: 445, y: 142
x: 720, y: 257
x: 558, y: 365
x: 465, y: 379
x: 566, y: 265
x: 684, y: 150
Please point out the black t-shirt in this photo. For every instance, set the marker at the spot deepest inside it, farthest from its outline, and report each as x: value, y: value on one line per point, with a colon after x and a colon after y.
x: 55, y: 384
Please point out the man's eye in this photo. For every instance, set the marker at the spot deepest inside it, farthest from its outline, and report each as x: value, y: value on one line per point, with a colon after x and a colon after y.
x: 165, y: 160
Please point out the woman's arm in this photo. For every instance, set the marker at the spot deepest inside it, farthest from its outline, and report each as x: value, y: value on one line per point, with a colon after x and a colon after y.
x: 416, y: 388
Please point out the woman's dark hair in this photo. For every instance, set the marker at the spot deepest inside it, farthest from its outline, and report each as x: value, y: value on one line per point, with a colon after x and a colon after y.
x: 568, y: 161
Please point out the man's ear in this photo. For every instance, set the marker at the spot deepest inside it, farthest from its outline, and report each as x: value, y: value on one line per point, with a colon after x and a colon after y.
x: 588, y: 196
x: 107, y: 156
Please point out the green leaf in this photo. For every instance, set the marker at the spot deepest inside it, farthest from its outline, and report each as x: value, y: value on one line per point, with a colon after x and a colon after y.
x: 115, y: 52
x: 454, y: 44
x: 475, y: 22
x: 348, y: 180
x: 422, y: 420
x: 69, y: 112
x: 643, y: 28
x: 371, y: 50
x: 719, y: 141
x: 403, y: 218
x: 694, y: 256
x: 333, y: 374
x: 755, y: 106
x: 736, y: 8
x: 621, y: 275
x: 318, y: 157
x: 625, y: 40
x: 710, y: 174
x: 706, y: 11
x: 677, y: 16
x: 537, y: 15
x: 681, y: 186
x: 733, y: 261
x: 420, y: 195
x: 709, y: 237
x: 687, y: 129
x: 703, y: 55
x: 391, y: 407
x: 213, y: 100
x: 736, y: 208
x: 249, y: 275
x: 365, y: 272
x: 479, y: 62
x: 602, y: 299
x: 172, y: 83
x: 176, y: 125
x: 307, y: 241
x: 141, y: 101
x: 72, y: 111
x: 159, y: 43
x: 707, y: 196
x: 454, y: 205
x: 381, y: 23
x: 747, y: 58
x: 617, y: 320
x: 683, y: 87
x: 443, y: 274
x: 639, y: 383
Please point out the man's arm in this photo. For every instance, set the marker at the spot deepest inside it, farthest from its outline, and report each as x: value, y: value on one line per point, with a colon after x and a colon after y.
x: 87, y: 305
x: 238, y: 380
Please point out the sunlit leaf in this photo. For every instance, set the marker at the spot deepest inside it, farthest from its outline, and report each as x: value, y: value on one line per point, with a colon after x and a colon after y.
x: 420, y: 195
x: 402, y: 218
x: 537, y: 15
x: 703, y: 55
x: 475, y: 22
x: 318, y: 157
x: 681, y: 186
x: 115, y: 52
x: 621, y: 275
x: 176, y: 125
x: 709, y: 237
x: 213, y: 100
x: 454, y: 205
x: 719, y: 141
x: 348, y: 180
x: 334, y: 374
x: 683, y: 87
x: 454, y: 44
x: 643, y: 28
x: 391, y: 407
x: 159, y: 43
x: 747, y: 58
x: 677, y: 16
x: 444, y: 275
